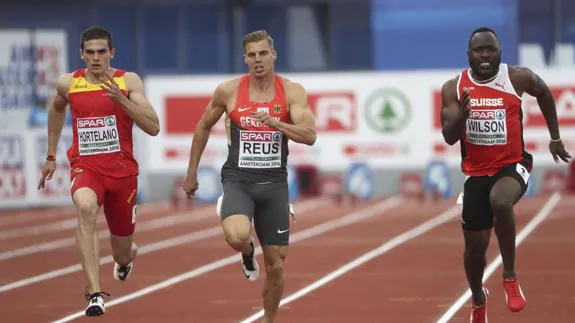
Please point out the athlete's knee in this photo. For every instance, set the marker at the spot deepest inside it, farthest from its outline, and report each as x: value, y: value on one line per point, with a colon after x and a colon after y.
x: 237, y: 229
x: 504, y: 194
x: 86, y: 206
x: 476, y: 244
x: 501, y: 204
x: 275, y: 268
x: 474, y: 252
x: 274, y: 258
x: 238, y: 241
x: 87, y: 209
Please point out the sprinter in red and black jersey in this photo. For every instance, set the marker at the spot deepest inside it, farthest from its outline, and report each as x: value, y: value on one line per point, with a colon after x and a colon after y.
x: 105, y: 103
x: 482, y: 110
x: 263, y: 111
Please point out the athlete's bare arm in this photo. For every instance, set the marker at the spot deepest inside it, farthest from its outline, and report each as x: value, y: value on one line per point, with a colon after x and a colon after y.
x: 302, y: 128
x: 56, y: 119
x: 213, y: 112
x: 135, y: 103
x: 57, y: 112
x: 453, y: 112
x: 525, y: 80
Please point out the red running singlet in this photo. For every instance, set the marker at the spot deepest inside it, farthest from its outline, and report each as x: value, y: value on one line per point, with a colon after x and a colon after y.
x: 493, y: 135
x: 102, y: 130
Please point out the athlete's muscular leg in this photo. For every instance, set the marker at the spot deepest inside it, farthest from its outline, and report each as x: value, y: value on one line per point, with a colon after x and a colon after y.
x: 237, y: 229
x: 474, y: 258
x: 86, y: 241
x: 120, y: 210
x: 124, y: 249
x: 274, y: 257
x: 504, y: 194
x: 477, y: 224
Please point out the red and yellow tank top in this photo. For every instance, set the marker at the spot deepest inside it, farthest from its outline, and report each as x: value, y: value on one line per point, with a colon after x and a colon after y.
x: 493, y: 136
x: 102, y: 130
x: 257, y: 153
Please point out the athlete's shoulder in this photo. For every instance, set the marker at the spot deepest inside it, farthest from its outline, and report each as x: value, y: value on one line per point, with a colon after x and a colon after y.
x: 451, y: 84
x: 127, y: 74
x: 64, y: 82
x: 130, y: 77
x: 519, y: 72
x: 292, y: 87
x: 229, y: 86
x: 234, y: 82
x: 294, y: 91
x: 66, y: 77
x: 523, y: 79
x: 226, y: 89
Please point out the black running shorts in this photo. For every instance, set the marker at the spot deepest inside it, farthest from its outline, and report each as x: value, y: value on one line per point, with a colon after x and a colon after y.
x: 477, y: 213
x: 267, y: 204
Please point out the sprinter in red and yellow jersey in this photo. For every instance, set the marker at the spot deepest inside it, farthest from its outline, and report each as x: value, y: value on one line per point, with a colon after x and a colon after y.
x: 105, y: 102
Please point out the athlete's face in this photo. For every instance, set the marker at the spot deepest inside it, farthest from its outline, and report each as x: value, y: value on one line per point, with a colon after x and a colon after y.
x: 484, y: 55
x: 97, y: 54
x: 260, y: 58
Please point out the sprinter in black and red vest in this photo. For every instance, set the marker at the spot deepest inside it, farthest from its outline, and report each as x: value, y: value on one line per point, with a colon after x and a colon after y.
x: 482, y: 110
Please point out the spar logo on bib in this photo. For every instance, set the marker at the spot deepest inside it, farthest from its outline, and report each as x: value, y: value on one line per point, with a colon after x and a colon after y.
x: 98, y: 135
x: 487, y: 127
x: 260, y: 149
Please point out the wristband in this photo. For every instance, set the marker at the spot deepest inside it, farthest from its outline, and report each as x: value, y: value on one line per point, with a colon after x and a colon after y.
x: 555, y: 140
x: 51, y: 158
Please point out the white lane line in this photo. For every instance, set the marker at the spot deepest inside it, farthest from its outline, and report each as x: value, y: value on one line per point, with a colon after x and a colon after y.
x: 536, y: 221
x: 152, y: 247
x: 66, y: 212
x: 163, y: 222
x: 60, y: 225
x: 341, y: 222
x: 372, y: 254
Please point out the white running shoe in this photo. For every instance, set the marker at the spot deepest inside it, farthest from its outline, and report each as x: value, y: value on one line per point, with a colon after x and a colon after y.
x: 250, y: 265
x: 95, y: 304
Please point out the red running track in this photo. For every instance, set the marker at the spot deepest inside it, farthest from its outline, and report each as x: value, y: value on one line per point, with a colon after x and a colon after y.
x: 413, y: 277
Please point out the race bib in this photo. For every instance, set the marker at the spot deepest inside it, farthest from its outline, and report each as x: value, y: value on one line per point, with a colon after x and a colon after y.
x: 260, y: 149
x: 98, y: 135
x: 487, y: 127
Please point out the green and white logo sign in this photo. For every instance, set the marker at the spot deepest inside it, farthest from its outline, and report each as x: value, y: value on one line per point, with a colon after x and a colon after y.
x: 110, y: 121
x: 387, y: 110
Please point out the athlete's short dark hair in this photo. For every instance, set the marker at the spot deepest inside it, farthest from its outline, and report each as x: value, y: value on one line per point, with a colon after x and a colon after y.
x: 96, y: 33
x: 481, y: 30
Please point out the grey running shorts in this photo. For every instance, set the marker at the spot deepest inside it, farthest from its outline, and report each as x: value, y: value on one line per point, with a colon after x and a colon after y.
x: 266, y: 204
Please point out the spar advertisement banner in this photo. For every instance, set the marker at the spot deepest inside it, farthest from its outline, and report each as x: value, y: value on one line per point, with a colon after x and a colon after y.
x: 359, y: 117
x: 22, y: 155
x: 386, y: 119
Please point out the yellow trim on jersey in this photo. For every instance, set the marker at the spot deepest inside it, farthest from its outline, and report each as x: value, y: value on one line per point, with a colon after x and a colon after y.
x: 80, y: 84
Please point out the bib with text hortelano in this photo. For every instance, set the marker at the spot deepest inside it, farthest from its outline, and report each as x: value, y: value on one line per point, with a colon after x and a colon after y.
x: 260, y: 149
x: 487, y: 127
x: 98, y: 135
